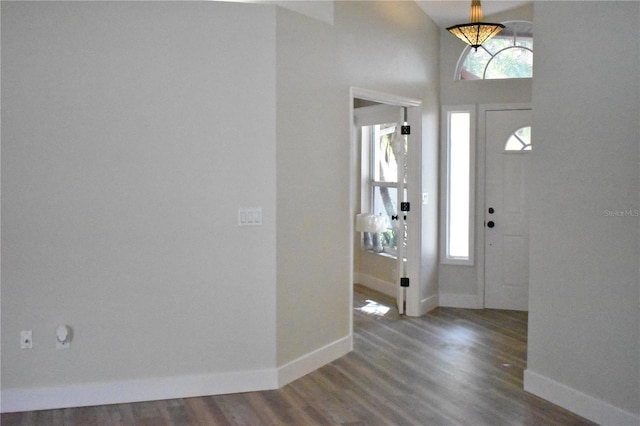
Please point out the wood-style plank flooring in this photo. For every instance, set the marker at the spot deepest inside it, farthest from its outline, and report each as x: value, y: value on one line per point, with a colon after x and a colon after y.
x: 450, y: 367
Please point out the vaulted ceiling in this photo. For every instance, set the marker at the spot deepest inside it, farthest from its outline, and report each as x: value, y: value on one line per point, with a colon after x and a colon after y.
x: 451, y: 12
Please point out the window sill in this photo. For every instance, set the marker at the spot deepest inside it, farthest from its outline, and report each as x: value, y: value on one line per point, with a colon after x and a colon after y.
x: 457, y: 262
x: 383, y: 254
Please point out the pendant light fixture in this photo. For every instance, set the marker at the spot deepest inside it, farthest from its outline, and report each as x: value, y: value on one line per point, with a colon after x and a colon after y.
x: 475, y: 32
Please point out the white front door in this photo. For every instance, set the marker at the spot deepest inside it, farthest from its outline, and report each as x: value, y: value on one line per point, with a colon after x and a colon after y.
x: 508, y: 146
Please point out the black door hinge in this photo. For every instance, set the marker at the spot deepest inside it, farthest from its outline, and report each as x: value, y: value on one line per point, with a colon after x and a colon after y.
x: 404, y: 282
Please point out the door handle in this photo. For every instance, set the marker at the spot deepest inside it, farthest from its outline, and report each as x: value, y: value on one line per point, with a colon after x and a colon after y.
x: 490, y: 224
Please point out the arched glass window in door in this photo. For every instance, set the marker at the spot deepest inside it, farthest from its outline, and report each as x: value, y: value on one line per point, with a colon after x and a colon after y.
x: 507, y: 55
x: 520, y: 140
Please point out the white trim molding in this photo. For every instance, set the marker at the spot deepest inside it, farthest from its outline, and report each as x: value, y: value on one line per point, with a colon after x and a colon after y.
x: 385, y: 287
x: 119, y: 392
x: 468, y: 301
x: 382, y: 97
x: 314, y: 360
x: 429, y: 303
x: 578, y: 402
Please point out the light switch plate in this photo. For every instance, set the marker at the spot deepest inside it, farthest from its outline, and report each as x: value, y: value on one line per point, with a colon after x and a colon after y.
x: 250, y: 216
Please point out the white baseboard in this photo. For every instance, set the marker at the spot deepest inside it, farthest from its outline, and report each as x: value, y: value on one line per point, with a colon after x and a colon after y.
x: 384, y: 287
x: 104, y: 393
x: 389, y: 289
x: 429, y: 304
x: 314, y: 360
x: 578, y: 402
x: 452, y: 300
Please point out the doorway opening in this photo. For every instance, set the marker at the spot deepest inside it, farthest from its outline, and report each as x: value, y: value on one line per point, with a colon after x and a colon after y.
x: 385, y: 176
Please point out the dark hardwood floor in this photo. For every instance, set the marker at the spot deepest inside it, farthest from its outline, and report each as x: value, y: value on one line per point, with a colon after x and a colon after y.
x: 450, y: 367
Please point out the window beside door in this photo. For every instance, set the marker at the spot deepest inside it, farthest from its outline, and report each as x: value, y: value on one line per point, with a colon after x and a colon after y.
x: 458, y: 166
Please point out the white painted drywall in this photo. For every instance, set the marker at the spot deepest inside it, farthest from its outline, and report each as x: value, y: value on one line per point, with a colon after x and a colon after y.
x: 131, y: 134
x: 321, y: 10
x: 584, y: 319
x: 390, y: 47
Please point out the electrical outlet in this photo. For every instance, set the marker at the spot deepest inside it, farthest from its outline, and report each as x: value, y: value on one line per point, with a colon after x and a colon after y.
x: 26, y: 339
x: 63, y: 337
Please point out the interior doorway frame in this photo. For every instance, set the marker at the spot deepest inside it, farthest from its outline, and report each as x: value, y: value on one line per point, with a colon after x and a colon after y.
x: 414, y: 222
x: 481, y: 151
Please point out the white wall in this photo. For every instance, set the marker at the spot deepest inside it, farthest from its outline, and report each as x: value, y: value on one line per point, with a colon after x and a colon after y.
x: 584, y: 319
x: 461, y: 285
x: 131, y: 134
x: 390, y: 47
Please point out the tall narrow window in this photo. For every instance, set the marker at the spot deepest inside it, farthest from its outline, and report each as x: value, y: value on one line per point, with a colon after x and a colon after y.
x: 458, y: 242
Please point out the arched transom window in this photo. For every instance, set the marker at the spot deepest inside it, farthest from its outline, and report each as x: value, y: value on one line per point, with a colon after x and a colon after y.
x: 507, y: 55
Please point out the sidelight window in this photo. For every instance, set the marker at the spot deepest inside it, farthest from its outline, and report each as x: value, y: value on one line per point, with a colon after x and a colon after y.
x: 458, y: 165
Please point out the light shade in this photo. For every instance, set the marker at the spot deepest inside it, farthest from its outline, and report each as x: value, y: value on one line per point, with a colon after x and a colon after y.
x: 475, y: 32
x: 367, y: 222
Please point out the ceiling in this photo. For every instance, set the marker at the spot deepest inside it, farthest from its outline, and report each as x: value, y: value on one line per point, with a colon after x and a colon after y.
x: 446, y: 13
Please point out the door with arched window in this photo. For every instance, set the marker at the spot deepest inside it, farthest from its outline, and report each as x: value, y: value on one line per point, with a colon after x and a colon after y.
x: 508, y: 146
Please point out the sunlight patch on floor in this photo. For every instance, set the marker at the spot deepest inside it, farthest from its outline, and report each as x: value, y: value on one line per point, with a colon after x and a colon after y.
x: 461, y: 335
x: 374, y: 308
